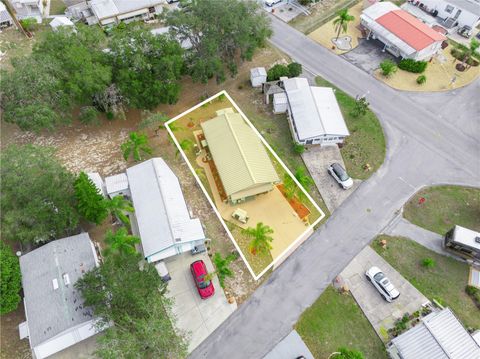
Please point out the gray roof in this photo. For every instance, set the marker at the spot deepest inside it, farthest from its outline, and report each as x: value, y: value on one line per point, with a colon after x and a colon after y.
x: 4, y: 14
x: 439, y: 336
x: 472, y: 6
x: 109, y: 8
x: 160, y: 209
x: 315, y: 110
x: 258, y: 71
x: 51, y: 311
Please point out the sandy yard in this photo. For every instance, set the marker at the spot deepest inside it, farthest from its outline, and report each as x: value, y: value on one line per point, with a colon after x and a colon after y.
x: 326, y: 34
x: 441, y: 75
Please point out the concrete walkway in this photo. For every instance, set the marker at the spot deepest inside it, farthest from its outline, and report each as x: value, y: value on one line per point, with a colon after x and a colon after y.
x: 292, y: 346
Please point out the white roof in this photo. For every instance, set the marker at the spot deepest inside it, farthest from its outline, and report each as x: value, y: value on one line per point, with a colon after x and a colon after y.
x: 280, y: 98
x: 467, y: 237
x: 257, y: 72
x: 116, y: 183
x: 369, y: 16
x: 314, y: 110
x: 60, y: 21
x: 109, y: 8
x: 98, y: 182
x: 160, y: 209
x: 439, y: 336
x: 185, y: 44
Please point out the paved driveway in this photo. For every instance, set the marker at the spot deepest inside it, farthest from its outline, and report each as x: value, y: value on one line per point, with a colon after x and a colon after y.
x: 292, y: 346
x: 317, y: 159
x: 196, y: 316
x: 368, y: 55
x: 378, y: 311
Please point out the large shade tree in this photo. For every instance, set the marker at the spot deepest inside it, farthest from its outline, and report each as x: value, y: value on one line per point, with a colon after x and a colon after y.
x: 220, y: 32
x: 133, y: 299
x: 146, y: 67
x: 10, y: 279
x: 37, y: 196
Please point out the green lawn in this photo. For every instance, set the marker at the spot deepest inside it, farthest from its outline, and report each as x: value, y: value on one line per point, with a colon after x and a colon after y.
x: 335, y: 320
x: 366, y: 143
x: 444, y: 207
x: 57, y: 7
x: 445, y: 282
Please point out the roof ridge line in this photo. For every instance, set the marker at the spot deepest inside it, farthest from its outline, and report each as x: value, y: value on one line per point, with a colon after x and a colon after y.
x: 240, y: 148
x: 434, y: 337
x: 316, y: 107
x: 407, y: 21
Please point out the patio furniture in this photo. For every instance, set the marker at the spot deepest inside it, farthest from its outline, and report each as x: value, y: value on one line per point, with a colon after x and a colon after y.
x: 240, y: 215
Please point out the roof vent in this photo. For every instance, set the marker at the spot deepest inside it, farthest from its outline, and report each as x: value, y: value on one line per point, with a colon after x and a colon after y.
x: 55, y: 283
x: 477, y: 239
x: 178, y: 239
x: 66, y: 279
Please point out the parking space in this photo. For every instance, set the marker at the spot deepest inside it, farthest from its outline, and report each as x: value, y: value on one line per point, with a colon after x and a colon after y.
x: 381, y: 314
x: 195, y: 316
x: 368, y: 55
x: 285, y: 10
x: 317, y: 159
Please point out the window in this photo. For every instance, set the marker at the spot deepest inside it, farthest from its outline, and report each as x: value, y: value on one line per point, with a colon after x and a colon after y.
x: 449, y: 9
x: 151, y: 10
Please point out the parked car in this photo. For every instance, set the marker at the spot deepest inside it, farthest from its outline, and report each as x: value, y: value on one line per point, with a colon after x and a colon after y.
x: 380, y: 281
x: 465, y: 31
x: 272, y: 2
x: 200, y: 276
x: 340, y: 175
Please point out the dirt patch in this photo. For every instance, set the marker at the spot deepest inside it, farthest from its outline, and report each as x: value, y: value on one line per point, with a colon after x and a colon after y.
x: 297, y: 206
x: 12, y: 346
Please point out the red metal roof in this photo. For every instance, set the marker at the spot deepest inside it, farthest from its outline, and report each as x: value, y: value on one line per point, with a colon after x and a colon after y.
x: 408, y: 28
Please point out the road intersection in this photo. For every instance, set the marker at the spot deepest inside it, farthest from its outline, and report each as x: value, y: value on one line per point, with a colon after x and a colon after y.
x: 431, y: 139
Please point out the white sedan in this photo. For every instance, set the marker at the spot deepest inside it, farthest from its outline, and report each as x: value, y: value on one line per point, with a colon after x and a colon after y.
x: 380, y: 281
x: 272, y: 2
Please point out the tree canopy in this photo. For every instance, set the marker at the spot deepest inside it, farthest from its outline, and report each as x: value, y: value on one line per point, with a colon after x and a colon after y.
x: 10, y: 279
x: 37, y: 198
x: 146, y: 67
x: 134, y: 300
x: 91, y: 205
x: 219, y: 31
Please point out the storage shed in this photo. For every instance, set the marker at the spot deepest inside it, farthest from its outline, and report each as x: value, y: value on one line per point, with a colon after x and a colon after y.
x: 258, y: 76
x: 60, y: 21
x: 463, y: 242
x: 280, y: 102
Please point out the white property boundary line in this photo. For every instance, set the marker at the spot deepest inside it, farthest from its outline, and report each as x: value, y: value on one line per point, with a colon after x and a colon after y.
x: 301, y: 237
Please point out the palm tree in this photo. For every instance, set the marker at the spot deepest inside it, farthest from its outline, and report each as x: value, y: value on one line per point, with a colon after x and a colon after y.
x: 261, y: 239
x: 136, y: 144
x: 468, y: 51
x: 118, y: 206
x: 305, y: 180
x: 120, y: 242
x: 222, y: 266
x: 345, y: 353
x: 341, y: 22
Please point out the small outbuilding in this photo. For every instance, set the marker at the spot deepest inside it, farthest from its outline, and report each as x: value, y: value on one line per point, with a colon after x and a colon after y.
x: 313, y: 112
x: 463, y: 242
x: 60, y: 21
x: 258, y: 76
x: 280, y: 102
x: 5, y: 17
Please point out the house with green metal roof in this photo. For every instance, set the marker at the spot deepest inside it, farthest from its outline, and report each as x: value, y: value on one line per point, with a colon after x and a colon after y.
x: 242, y: 162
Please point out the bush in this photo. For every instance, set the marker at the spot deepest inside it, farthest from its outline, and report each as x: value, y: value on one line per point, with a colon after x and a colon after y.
x: 29, y: 23
x: 88, y: 115
x: 388, y: 68
x: 428, y: 263
x: 421, y: 79
x: 298, y: 148
x: 459, y: 55
x: 474, y: 293
x: 417, y: 67
x: 10, y: 280
x: 294, y: 69
x: 277, y: 71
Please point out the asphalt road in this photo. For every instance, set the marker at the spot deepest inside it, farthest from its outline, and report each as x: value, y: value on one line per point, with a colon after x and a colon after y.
x: 431, y: 139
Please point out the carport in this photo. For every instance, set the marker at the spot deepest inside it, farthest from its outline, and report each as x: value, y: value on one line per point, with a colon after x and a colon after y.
x: 195, y: 316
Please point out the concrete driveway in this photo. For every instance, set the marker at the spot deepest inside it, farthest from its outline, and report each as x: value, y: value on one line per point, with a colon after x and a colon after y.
x: 368, y: 55
x: 378, y: 311
x: 317, y: 159
x: 195, y: 316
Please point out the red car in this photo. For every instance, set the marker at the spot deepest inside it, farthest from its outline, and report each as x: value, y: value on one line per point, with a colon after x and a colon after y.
x: 199, y: 272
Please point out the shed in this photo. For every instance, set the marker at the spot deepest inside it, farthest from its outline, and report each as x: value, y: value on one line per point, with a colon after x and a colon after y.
x: 440, y: 335
x: 243, y: 164
x: 258, y: 76
x: 117, y: 185
x: 5, y: 17
x: 60, y: 21
x: 313, y: 113
x: 55, y: 311
x: 280, y: 102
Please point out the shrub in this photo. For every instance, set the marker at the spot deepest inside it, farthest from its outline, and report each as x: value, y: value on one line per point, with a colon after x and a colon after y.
x: 298, y: 148
x: 10, y: 280
x: 29, y: 23
x: 388, y: 68
x: 459, y: 55
x: 410, y: 65
x: 421, y: 79
x: 277, y: 71
x: 474, y: 293
x: 294, y: 69
x: 428, y: 263
x: 88, y: 114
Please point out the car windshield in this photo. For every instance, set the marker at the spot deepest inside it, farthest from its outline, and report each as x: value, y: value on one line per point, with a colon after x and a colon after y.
x: 379, y: 276
x: 203, y: 283
x: 340, y: 173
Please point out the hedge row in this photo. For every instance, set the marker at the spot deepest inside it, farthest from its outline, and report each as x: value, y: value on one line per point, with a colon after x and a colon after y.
x: 417, y: 67
x: 291, y: 70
